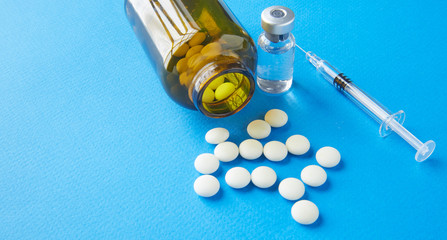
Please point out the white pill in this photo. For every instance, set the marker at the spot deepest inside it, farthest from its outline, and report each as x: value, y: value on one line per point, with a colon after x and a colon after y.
x: 259, y: 129
x: 206, y: 163
x: 217, y: 135
x: 237, y: 177
x: 313, y: 175
x: 291, y: 189
x: 263, y: 177
x: 226, y: 151
x: 250, y: 149
x: 275, y: 151
x: 206, y: 186
x: 305, y: 212
x: 298, y: 144
x: 328, y: 157
x: 276, y: 118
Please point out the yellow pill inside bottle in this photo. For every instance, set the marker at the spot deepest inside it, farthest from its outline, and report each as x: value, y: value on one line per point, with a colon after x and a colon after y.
x: 211, y: 50
x: 192, y: 61
x: 217, y: 82
x: 224, y: 91
x: 181, y: 51
x: 194, y: 50
x: 185, y: 78
x: 197, y: 39
x: 182, y: 65
x: 208, y: 95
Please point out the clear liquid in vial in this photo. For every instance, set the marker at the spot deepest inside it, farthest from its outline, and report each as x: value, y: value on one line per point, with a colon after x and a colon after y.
x: 275, y: 64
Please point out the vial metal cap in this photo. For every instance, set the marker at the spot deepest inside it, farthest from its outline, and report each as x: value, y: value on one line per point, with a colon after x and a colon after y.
x: 277, y: 20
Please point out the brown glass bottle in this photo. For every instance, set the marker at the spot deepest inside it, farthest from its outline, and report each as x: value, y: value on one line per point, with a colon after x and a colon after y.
x: 203, y: 56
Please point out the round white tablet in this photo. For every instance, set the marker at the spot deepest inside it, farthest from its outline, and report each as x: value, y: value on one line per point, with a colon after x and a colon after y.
x: 259, y: 129
x: 263, y: 177
x: 298, y: 144
x: 291, y: 189
x: 305, y: 212
x: 275, y: 151
x: 250, y: 149
x: 276, y: 118
x: 206, y: 186
x: 237, y: 177
x: 217, y: 135
x: 328, y: 157
x: 206, y: 163
x: 313, y: 175
x: 226, y: 151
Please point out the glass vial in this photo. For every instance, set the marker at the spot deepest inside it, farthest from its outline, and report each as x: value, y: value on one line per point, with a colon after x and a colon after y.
x: 202, y: 55
x: 276, y: 50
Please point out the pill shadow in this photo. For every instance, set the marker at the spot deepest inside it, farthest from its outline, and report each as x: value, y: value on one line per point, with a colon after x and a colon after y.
x: 310, y: 153
x: 217, y: 197
x: 218, y: 172
x: 236, y: 162
x: 340, y: 166
x: 274, y: 187
x: 326, y: 186
x: 283, y: 162
x: 291, y: 202
x: 317, y: 223
x: 245, y: 189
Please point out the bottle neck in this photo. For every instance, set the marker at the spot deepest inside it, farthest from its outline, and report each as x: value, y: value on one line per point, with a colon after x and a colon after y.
x: 224, y: 71
x: 276, y: 38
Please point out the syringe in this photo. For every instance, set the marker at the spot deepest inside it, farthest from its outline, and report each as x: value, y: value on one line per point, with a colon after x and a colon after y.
x: 388, y: 121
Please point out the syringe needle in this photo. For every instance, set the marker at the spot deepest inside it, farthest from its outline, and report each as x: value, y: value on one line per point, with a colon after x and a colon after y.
x: 300, y: 48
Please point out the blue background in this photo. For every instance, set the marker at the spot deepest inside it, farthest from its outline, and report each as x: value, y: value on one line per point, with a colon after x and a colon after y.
x: 92, y: 147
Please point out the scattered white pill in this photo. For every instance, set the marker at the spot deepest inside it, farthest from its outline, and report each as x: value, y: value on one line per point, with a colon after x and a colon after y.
x: 217, y: 135
x: 305, y: 212
x: 276, y: 118
x: 259, y: 129
x: 206, y: 163
x: 206, y: 186
x: 237, y: 177
x: 291, y: 189
x: 313, y: 175
x: 275, y: 151
x: 328, y: 157
x: 263, y: 177
x: 298, y: 144
x: 226, y: 151
x: 250, y: 149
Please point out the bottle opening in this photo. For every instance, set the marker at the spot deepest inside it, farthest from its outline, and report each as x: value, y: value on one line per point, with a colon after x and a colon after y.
x: 225, y: 95
x: 222, y: 88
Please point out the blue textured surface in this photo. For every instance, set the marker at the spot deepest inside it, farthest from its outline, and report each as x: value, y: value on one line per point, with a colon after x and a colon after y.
x: 92, y: 147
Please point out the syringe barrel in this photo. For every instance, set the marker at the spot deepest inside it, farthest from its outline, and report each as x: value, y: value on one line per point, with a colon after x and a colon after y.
x: 367, y: 103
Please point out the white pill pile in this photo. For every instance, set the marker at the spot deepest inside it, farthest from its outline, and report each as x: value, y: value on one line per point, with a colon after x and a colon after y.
x: 206, y: 186
x: 250, y: 149
x: 328, y: 157
x: 313, y: 175
x: 276, y: 118
x: 237, y: 177
x: 303, y: 211
x: 291, y: 189
x: 263, y: 177
x: 226, y: 151
x: 217, y: 135
x: 206, y: 163
x: 275, y: 151
x: 298, y: 144
x: 259, y: 129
